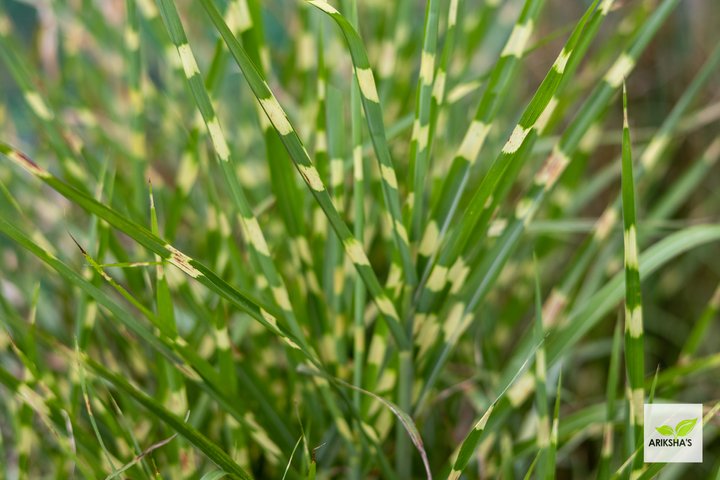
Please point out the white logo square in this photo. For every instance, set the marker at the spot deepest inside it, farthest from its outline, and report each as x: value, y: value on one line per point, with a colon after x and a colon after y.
x: 673, y: 433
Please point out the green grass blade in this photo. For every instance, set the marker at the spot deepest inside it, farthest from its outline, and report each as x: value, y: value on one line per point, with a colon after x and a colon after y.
x: 363, y: 75
x: 352, y: 247
x: 189, y: 266
x: 634, y: 349
x: 609, y: 428
x: 217, y: 455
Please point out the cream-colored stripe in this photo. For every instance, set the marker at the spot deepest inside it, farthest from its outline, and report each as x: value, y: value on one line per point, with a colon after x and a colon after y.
x: 367, y: 84
x: 631, y: 253
x: 619, y: 70
x: 187, y: 59
x: 516, y: 139
x: 311, y: 175
x: 276, y: 115
x: 473, y: 140
x: 518, y: 39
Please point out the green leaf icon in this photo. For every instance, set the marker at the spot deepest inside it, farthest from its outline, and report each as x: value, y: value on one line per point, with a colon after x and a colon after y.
x: 665, y: 430
x: 684, y: 427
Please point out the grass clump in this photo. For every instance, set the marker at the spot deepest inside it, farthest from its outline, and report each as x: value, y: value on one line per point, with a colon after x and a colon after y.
x: 252, y: 239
